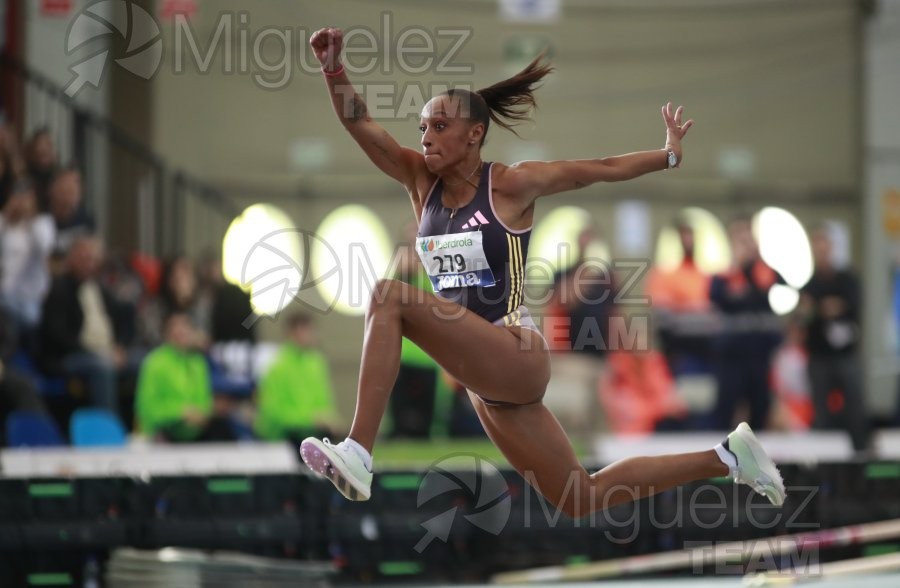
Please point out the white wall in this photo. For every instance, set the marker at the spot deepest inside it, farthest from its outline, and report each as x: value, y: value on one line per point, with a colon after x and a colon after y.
x: 780, y: 81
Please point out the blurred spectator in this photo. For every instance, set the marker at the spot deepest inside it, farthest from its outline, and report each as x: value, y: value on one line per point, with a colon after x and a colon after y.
x: 17, y: 391
x: 174, y: 396
x: 178, y: 293
x: 685, y: 288
x: 750, y: 332
x: 81, y: 326
x: 413, y: 398
x: 127, y: 289
x: 224, y: 306
x: 41, y: 165
x: 294, y: 398
x: 681, y: 310
x: 793, y: 410
x: 637, y: 391
x: 582, y: 302
x: 65, y: 204
x: 831, y: 303
x: 26, y: 238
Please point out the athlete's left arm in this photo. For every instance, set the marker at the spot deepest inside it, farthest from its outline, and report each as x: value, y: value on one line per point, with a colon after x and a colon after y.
x: 533, y: 179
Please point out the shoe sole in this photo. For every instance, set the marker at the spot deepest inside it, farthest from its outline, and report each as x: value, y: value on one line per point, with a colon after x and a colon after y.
x: 764, y: 465
x: 321, y: 463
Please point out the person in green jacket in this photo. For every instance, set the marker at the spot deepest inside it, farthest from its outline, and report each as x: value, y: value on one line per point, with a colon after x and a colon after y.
x: 174, y: 395
x: 294, y: 396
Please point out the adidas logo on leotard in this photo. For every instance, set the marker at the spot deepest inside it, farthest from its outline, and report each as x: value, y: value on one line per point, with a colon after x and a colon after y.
x: 477, y: 220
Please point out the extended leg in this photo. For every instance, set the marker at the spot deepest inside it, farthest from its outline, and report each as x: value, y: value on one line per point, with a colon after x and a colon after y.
x: 535, y: 444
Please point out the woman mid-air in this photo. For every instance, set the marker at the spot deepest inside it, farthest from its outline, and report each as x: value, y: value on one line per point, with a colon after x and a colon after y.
x: 475, y: 219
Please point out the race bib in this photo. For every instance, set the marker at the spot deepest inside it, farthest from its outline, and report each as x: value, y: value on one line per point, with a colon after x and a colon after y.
x: 455, y: 261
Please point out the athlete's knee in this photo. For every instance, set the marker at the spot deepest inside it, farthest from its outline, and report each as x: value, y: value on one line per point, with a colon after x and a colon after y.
x: 577, y: 498
x: 582, y: 502
x: 387, y: 294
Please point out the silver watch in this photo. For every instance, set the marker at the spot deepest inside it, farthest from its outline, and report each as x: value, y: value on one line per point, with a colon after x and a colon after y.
x: 673, y: 159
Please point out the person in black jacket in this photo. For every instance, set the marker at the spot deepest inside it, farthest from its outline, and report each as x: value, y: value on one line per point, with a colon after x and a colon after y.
x: 830, y: 303
x: 81, y: 330
x: 742, y: 351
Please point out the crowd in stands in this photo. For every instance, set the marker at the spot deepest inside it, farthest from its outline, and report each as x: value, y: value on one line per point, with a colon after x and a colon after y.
x: 140, y: 338
x: 148, y: 340
x: 719, y: 332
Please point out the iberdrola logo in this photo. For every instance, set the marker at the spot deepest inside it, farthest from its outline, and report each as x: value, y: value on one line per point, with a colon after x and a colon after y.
x: 427, y: 246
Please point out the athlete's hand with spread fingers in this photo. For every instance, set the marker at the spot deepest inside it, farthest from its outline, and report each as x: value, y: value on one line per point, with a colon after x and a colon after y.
x: 675, y: 129
x: 326, y: 45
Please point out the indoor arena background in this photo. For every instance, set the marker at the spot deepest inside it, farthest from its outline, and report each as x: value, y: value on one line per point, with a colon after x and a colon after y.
x: 192, y: 146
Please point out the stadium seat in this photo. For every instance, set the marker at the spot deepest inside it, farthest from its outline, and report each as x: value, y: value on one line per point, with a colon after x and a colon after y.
x: 47, y: 386
x: 32, y: 429
x: 96, y: 427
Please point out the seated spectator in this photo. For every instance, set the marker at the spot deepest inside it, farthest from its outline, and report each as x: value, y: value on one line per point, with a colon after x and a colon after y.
x: 41, y: 165
x: 174, y: 399
x: 127, y: 289
x: 294, y: 397
x: 81, y: 330
x: 65, y: 205
x: 178, y: 293
x: 224, y: 306
x: 26, y: 238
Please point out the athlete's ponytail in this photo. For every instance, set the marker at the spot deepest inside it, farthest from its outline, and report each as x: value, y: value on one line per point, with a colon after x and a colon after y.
x: 507, y: 103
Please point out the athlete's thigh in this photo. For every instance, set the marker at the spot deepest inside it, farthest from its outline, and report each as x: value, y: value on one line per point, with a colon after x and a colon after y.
x: 507, y: 364
x: 535, y: 444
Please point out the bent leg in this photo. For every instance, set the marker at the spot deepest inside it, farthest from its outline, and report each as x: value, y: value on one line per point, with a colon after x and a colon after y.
x: 502, y: 364
x: 537, y: 447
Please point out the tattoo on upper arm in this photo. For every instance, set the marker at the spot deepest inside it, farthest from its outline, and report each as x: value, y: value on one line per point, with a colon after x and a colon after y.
x: 358, y: 110
x: 384, y: 150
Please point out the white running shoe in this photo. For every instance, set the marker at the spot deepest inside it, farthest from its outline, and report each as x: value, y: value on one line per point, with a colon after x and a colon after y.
x: 340, y: 464
x: 754, y: 467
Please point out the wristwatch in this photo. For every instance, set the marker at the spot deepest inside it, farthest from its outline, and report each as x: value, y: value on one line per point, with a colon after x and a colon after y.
x: 672, y: 158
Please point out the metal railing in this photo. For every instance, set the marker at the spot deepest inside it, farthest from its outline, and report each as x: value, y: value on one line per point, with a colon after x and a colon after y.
x: 125, y: 182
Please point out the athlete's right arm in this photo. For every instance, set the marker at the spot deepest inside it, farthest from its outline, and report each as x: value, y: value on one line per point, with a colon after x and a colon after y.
x: 400, y: 163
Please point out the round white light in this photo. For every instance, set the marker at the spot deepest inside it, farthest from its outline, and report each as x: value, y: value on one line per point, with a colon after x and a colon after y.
x: 783, y: 299
x: 262, y: 253
x: 784, y: 245
x: 351, y: 252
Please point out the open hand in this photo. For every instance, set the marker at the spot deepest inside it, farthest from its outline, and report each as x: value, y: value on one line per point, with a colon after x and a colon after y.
x: 326, y: 45
x: 675, y: 129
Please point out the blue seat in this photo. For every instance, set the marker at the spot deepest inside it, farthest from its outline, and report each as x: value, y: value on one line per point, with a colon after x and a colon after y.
x: 96, y: 427
x: 32, y: 429
x: 46, y: 386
